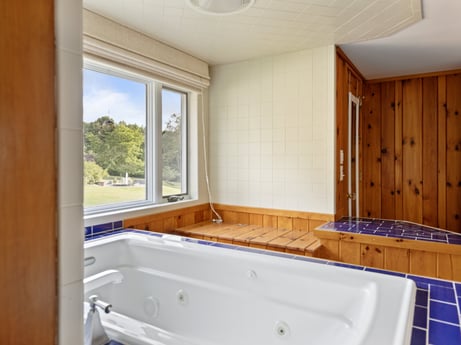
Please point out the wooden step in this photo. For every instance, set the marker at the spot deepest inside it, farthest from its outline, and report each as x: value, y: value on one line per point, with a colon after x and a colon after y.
x: 290, y: 241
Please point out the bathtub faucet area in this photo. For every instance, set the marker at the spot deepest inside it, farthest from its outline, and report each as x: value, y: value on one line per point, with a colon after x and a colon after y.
x: 94, y: 331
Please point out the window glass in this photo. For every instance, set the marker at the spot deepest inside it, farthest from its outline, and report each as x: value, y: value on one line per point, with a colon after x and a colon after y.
x: 135, y: 140
x: 114, y: 123
x: 174, y: 149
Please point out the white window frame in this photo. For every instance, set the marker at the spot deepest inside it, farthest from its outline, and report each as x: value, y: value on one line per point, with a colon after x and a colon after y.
x: 153, y: 149
x: 184, y: 140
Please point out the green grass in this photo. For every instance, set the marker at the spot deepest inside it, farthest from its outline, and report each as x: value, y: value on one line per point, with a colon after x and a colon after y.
x: 100, y: 195
x: 170, y: 188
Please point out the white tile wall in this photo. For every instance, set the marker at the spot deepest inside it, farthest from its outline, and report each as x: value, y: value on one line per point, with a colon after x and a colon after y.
x: 70, y: 314
x: 68, y: 20
x: 272, y: 131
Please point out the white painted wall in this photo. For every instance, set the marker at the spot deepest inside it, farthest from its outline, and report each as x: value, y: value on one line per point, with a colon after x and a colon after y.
x: 272, y: 131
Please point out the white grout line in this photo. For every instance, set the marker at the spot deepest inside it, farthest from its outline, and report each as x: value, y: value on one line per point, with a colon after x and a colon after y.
x: 445, y: 322
x: 428, y: 311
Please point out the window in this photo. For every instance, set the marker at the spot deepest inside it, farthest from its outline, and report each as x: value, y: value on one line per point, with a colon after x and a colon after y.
x: 174, y: 140
x: 135, y: 140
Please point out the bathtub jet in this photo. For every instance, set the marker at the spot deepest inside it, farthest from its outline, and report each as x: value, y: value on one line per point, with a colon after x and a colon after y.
x: 167, y: 290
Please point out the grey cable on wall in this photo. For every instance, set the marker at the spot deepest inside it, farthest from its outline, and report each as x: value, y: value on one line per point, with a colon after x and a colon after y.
x: 219, y: 218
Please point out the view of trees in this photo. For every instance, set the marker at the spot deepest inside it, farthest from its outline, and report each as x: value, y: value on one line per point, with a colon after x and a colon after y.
x: 171, y: 149
x: 114, y: 149
x: 118, y: 148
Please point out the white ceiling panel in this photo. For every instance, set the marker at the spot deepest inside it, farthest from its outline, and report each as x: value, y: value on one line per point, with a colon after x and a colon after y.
x: 384, y: 38
x: 433, y: 44
x: 270, y: 27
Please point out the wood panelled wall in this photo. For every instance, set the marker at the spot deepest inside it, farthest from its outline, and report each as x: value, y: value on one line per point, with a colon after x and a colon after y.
x: 273, y: 218
x: 348, y: 79
x: 431, y: 259
x: 28, y: 198
x: 411, y: 138
x: 171, y: 220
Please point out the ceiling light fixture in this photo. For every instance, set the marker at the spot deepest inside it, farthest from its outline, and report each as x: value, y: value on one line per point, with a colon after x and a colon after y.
x: 220, y: 7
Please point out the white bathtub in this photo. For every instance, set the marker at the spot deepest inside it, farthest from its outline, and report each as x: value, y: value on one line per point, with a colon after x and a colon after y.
x: 166, y: 290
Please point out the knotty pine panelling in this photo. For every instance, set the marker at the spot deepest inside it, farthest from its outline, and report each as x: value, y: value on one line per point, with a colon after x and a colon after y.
x: 429, y: 154
x: 388, y: 150
x: 272, y: 218
x: 348, y: 79
x: 453, y: 144
x: 281, y: 219
x: 412, y: 150
x: 371, y: 173
x: 433, y: 259
x: 170, y: 220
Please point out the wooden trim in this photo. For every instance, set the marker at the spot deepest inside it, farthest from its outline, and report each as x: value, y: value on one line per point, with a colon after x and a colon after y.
x: 354, y: 69
x: 276, y: 212
x: 414, y: 76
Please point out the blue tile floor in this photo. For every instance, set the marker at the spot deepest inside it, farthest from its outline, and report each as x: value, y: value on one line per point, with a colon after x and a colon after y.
x: 438, y: 302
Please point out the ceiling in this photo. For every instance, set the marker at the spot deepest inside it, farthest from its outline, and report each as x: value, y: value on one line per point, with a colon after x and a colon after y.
x: 433, y: 44
x: 382, y: 37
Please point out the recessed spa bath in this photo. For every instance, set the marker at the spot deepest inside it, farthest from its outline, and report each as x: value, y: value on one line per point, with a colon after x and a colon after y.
x: 202, y: 294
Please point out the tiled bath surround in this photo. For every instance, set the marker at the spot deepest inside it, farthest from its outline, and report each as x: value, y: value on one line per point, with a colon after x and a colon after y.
x: 99, y: 229
x: 394, y: 229
x: 438, y: 302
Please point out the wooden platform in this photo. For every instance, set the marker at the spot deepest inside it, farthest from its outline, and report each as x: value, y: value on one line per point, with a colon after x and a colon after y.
x: 282, y: 240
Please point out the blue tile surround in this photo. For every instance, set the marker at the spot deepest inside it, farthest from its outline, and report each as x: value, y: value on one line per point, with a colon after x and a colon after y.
x: 100, y: 229
x: 438, y: 302
x: 394, y: 229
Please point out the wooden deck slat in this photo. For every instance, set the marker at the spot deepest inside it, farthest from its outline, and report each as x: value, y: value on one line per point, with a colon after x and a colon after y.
x: 228, y: 233
x: 302, y: 243
x: 284, y: 240
x: 267, y: 237
x: 245, y: 238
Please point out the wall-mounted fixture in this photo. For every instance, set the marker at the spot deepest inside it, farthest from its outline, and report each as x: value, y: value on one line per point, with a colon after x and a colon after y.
x: 220, y: 7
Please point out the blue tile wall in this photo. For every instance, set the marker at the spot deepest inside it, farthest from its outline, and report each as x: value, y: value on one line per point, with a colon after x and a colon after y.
x: 437, y: 307
x: 394, y: 229
x: 100, y: 229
